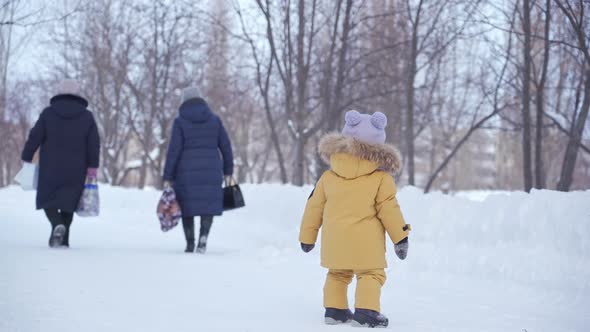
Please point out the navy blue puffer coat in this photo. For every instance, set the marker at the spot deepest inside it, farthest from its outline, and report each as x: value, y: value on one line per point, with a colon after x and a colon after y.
x: 69, y: 144
x: 199, y: 155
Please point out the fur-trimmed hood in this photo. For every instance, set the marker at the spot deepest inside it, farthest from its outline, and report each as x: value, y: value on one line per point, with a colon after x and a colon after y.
x: 384, y: 157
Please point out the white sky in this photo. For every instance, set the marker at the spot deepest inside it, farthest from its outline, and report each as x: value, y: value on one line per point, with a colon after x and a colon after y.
x: 35, y: 53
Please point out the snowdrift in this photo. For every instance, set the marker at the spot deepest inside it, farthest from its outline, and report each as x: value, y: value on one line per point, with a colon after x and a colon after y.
x: 477, y: 262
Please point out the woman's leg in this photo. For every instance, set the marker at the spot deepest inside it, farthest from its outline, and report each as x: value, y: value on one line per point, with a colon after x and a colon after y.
x: 58, y: 228
x: 68, y: 218
x: 206, y: 222
x: 188, y: 224
x: 54, y: 217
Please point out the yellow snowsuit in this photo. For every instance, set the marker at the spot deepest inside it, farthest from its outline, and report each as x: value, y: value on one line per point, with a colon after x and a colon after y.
x: 354, y: 203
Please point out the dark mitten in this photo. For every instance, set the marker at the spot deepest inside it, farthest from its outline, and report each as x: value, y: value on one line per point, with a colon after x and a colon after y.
x: 307, y: 247
x: 401, y: 249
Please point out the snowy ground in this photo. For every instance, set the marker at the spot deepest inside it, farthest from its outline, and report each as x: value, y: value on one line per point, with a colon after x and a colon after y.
x: 499, y: 262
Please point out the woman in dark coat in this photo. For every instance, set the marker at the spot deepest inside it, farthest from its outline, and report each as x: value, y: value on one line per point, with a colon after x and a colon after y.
x: 198, y: 155
x: 69, y: 144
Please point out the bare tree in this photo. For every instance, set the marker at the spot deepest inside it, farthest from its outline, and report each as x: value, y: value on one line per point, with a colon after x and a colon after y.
x: 263, y: 73
x: 432, y: 32
x: 540, y: 175
x: 293, y: 61
x: 526, y: 97
x: 493, y: 96
x: 334, y: 77
x: 281, y: 74
x: 578, y: 19
x: 31, y: 16
x: 7, y: 14
x: 153, y: 79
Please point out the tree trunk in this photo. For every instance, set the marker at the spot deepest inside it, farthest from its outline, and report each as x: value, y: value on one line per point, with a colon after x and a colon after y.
x: 277, y: 146
x: 299, y: 171
x: 526, y: 118
x: 409, y: 132
x: 571, y: 152
x: 301, y: 77
x: 264, y: 91
x: 143, y: 172
x: 540, y: 176
x: 4, y: 62
x: 341, y: 68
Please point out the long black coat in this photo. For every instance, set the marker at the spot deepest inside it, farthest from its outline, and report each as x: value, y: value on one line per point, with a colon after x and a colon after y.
x: 198, y: 155
x: 69, y: 142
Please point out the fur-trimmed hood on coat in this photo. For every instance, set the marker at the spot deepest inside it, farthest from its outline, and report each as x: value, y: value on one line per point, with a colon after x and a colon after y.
x: 385, y: 156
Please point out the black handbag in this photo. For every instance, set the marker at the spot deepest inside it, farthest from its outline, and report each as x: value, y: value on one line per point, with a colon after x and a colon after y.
x: 232, y: 197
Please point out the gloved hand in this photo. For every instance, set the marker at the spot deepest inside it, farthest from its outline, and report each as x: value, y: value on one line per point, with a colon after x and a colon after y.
x: 91, y: 174
x: 401, y: 248
x: 307, y: 247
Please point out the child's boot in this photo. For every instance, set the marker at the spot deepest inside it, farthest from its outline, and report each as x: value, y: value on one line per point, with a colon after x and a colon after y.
x: 335, y: 316
x: 369, y: 318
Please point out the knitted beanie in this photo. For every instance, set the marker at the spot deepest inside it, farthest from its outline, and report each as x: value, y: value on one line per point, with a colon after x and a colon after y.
x: 364, y: 127
x: 69, y: 87
x: 190, y: 92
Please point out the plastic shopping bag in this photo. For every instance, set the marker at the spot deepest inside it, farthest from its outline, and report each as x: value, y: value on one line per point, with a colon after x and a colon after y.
x: 89, y: 204
x: 28, y: 176
x: 168, y: 210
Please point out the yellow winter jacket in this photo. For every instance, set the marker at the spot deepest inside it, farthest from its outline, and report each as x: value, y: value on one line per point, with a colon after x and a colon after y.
x: 354, y: 203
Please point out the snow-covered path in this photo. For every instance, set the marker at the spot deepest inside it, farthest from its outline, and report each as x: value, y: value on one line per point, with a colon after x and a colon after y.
x: 507, y: 263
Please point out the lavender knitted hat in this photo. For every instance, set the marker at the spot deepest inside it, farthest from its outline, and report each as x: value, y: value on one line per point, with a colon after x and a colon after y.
x: 364, y: 127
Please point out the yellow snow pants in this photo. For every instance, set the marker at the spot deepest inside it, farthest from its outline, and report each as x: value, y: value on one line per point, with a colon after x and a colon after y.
x: 368, y: 288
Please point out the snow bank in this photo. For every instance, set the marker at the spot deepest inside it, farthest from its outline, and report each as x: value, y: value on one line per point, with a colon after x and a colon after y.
x: 536, y: 237
x: 542, y: 236
x: 493, y: 262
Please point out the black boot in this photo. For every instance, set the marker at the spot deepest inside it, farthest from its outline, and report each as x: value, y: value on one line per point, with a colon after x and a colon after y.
x: 49, y: 242
x: 188, y: 224
x: 369, y: 318
x: 57, y: 236
x: 206, y: 222
x: 68, y: 218
x: 66, y: 241
x: 58, y: 228
x: 335, y: 316
x: 202, y: 246
x: 190, y: 247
